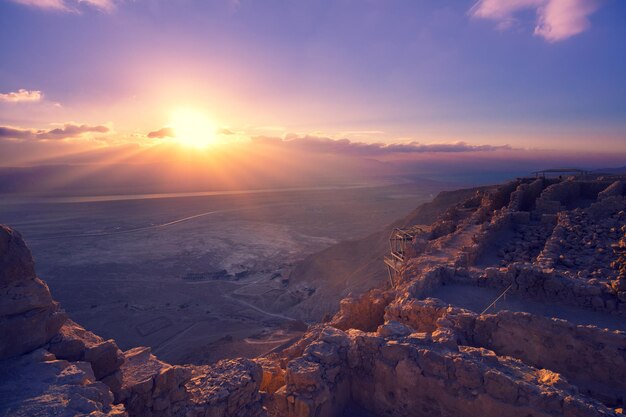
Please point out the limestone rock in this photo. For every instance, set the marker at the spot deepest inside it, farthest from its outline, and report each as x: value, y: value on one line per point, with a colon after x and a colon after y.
x: 37, y: 385
x: 150, y: 386
x: 229, y: 388
x: 28, y: 315
x: 74, y: 343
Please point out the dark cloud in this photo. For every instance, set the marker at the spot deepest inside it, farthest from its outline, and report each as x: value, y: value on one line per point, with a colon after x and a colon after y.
x: 12, y: 133
x: 165, y: 132
x: 68, y: 131
x: 328, y: 145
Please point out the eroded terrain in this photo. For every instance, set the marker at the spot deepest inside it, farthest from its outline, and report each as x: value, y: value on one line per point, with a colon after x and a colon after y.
x: 455, y: 332
x: 196, y: 278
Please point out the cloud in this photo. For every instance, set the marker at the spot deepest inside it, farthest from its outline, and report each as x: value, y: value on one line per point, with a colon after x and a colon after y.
x: 21, y: 96
x: 556, y: 20
x: 224, y: 131
x: 12, y: 133
x: 165, y: 132
x: 69, y: 5
x: 345, y: 146
x: 69, y: 130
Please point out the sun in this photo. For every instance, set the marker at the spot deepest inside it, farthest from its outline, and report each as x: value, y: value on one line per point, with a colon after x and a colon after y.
x: 193, y: 128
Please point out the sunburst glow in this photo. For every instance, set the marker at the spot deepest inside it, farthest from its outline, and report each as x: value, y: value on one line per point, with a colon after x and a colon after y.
x: 193, y: 128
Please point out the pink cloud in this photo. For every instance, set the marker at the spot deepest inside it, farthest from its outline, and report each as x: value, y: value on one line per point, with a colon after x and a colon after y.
x: 319, y: 144
x: 69, y: 130
x: 21, y: 95
x: 556, y: 19
x: 68, y: 5
x: 165, y: 132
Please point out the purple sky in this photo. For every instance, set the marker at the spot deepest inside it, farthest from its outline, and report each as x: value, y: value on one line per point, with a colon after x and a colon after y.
x: 507, y: 75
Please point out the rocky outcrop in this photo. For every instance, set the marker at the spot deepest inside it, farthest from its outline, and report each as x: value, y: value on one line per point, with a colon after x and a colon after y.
x: 29, y: 317
x: 389, y: 352
x: 74, y: 343
x: 53, y: 366
x: 39, y: 384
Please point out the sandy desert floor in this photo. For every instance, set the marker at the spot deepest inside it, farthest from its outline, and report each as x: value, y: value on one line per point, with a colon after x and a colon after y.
x: 122, y: 268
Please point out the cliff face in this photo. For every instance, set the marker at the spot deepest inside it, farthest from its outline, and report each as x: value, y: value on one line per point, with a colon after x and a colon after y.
x: 51, y: 366
x: 28, y: 315
x: 420, y: 347
x: 356, y: 266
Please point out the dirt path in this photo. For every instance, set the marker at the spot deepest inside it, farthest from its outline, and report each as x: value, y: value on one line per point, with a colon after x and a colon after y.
x: 257, y: 309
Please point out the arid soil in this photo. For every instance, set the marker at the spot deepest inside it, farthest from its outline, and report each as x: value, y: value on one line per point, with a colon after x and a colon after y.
x: 125, y: 269
x: 405, y: 348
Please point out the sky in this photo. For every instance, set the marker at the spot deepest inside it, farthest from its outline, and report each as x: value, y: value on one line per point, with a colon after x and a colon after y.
x: 383, y: 79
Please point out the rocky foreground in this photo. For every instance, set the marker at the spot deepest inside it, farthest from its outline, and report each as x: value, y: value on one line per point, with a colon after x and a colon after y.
x: 394, y: 351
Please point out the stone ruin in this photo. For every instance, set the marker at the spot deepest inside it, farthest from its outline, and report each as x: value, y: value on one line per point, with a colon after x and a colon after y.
x: 395, y: 351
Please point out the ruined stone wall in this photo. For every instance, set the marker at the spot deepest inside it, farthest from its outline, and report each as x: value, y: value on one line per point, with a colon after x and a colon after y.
x: 524, y: 197
x: 556, y: 196
x: 561, y: 195
x: 591, y: 189
x: 422, y: 279
x: 502, y: 196
x: 547, y: 285
x: 318, y: 381
x: 590, y: 357
x: 395, y: 371
x: 615, y: 189
x: 415, y: 377
x: 365, y: 312
x: 582, y: 239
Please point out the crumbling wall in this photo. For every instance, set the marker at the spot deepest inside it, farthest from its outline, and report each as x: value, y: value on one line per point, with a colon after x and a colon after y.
x: 563, y: 195
x: 318, y: 382
x: 365, y: 312
x: 550, y: 286
x: 556, y: 196
x: 395, y: 371
x: 582, y: 239
x: 591, y: 190
x: 524, y: 197
x: 591, y: 357
x: 404, y: 379
x: 502, y: 196
x: 228, y: 388
x: 615, y: 189
x: 151, y: 387
x: 421, y: 279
